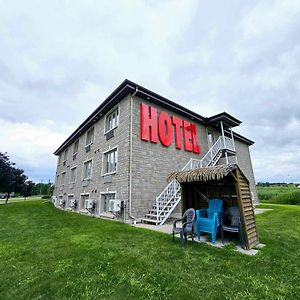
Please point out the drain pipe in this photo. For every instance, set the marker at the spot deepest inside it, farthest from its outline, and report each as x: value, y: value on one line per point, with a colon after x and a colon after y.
x: 130, y: 154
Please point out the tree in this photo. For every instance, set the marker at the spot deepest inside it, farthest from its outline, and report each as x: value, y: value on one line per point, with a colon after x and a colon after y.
x: 27, y: 188
x: 11, y: 179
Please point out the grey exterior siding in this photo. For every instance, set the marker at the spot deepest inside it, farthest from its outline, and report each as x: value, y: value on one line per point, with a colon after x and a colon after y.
x: 151, y: 163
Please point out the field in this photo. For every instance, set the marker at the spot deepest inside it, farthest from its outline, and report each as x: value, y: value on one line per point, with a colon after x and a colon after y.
x: 46, y: 253
x: 279, y: 194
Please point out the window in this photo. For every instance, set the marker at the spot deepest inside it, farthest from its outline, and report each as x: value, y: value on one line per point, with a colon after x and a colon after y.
x: 105, y: 198
x: 87, y: 169
x: 110, y: 161
x: 63, y: 177
x: 73, y: 175
x: 112, y: 120
x: 89, y: 137
x: 84, y: 200
x: 75, y: 149
x: 57, y: 181
x: 59, y: 159
x: 65, y: 156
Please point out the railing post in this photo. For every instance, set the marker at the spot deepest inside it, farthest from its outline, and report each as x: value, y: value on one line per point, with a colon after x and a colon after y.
x: 157, y: 210
x: 232, y: 139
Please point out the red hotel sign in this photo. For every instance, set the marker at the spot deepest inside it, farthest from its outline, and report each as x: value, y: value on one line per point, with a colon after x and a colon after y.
x: 160, y: 126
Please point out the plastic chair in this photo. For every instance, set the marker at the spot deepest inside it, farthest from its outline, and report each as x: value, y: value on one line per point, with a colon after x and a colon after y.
x: 208, y: 220
x: 188, y: 220
x: 233, y: 219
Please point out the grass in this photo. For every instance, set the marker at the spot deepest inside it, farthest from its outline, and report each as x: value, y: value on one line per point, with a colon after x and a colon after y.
x: 46, y: 253
x: 279, y: 194
x: 20, y: 199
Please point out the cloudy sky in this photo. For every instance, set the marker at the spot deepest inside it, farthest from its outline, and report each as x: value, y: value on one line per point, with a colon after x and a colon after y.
x: 60, y: 59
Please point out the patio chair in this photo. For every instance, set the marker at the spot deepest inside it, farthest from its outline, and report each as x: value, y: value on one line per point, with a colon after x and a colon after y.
x: 232, y: 223
x: 187, y: 228
x: 209, y: 219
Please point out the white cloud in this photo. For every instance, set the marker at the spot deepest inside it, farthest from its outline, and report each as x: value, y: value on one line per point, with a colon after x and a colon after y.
x: 59, y: 60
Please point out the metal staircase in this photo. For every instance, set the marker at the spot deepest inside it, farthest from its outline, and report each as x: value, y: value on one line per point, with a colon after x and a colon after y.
x: 169, y: 198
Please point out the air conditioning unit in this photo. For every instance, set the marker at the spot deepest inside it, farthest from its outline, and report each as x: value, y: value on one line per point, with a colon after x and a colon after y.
x: 89, y: 204
x: 62, y: 202
x: 115, y: 205
x: 72, y: 203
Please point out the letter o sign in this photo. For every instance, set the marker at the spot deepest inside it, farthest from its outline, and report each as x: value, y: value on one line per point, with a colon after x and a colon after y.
x: 165, y: 128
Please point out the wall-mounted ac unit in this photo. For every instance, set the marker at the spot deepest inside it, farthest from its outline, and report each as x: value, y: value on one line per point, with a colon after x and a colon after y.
x: 115, y: 205
x: 72, y: 203
x: 61, y: 202
x: 89, y: 204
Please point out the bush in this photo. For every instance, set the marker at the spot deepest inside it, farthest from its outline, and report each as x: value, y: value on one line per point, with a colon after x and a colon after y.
x: 46, y: 197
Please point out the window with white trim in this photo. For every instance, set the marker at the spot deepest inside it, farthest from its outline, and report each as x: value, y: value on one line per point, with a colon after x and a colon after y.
x: 112, y: 120
x: 75, y: 149
x: 110, y: 161
x: 87, y: 169
x: 73, y: 175
x: 57, y: 181
x: 63, y: 178
x: 65, y: 157
x: 89, y: 137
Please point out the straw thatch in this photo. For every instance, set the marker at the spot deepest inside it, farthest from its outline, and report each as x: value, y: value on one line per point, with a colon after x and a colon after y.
x: 203, y: 174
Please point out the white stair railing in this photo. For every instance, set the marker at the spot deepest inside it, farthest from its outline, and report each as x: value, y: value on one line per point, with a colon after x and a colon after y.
x: 168, y: 199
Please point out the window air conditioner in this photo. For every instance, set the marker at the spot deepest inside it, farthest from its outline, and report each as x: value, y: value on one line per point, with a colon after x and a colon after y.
x: 115, y: 205
x: 61, y: 202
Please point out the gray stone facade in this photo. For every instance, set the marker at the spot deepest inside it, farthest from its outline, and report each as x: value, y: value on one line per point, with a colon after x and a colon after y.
x: 151, y: 163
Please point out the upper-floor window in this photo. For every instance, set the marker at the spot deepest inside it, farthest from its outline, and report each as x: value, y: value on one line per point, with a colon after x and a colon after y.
x: 63, y: 177
x: 75, y: 149
x: 57, y: 181
x: 112, y: 120
x: 87, y: 169
x: 73, y: 175
x: 89, y: 137
x: 110, y: 161
x: 65, y: 157
x: 59, y: 159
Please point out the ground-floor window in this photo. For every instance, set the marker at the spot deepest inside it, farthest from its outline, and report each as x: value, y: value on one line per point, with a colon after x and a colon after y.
x: 83, y: 200
x: 70, y: 201
x: 105, y: 198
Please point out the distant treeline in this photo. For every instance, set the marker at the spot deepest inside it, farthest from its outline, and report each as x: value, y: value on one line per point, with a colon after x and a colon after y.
x: 277, y: 184
x: 14, y: 182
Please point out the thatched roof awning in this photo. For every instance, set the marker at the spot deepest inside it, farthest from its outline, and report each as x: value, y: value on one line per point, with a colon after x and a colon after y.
x: 203, y: 174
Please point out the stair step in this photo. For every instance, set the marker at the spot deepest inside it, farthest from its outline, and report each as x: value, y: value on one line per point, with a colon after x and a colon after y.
x: 145, y: 220
x: 152, y: 216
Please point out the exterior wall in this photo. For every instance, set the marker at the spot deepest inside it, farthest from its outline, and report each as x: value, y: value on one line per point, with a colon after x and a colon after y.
x: 95, y: 186
x: 152, y: 163
x: 245, y: 164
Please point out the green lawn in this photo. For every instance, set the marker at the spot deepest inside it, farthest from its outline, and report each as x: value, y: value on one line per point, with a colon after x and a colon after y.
x: 46, y: 253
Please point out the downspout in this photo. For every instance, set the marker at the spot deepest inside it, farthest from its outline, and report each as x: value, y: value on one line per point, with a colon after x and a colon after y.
x: 130, y: 153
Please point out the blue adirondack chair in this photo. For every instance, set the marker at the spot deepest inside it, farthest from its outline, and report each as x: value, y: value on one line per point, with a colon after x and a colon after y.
x: 209, y: 219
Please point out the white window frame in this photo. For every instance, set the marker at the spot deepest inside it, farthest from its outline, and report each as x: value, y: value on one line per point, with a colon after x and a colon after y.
x: 86, y: 136
x: 116, y: 108
x: 75, y: 175
x: 104, y: 162
x: 63, y: 184
x: 105, y: 193
x: 91, y: 175
x: 77, y: 141
x: 65, y: 158
x: 83, y: 194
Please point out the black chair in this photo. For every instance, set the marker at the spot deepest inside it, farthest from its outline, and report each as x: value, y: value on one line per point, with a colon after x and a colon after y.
x: 188, y: 225
x: 232, y: 223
